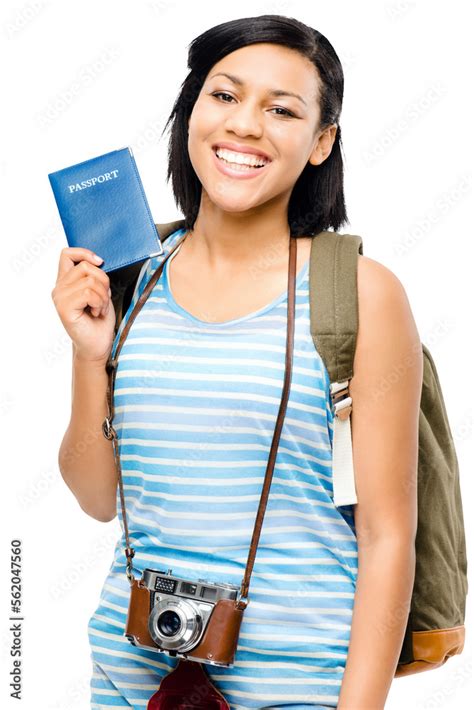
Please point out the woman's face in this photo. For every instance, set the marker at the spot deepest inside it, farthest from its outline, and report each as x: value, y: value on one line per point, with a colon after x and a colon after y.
x: 246, y: 113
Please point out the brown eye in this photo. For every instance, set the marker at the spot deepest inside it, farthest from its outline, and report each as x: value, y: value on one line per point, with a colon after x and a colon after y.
x: 288, y: 113
x: 221, y: 93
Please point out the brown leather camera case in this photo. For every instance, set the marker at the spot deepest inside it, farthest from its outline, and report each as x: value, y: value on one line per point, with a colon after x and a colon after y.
x: 220, y: 637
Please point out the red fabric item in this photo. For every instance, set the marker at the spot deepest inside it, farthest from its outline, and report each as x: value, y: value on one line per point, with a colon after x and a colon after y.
x: 187, y: 687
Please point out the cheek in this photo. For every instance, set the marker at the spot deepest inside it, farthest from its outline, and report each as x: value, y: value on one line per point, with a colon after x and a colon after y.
x: 203, y: 127
x: 194, y: 134
x: 295, y: 147
x: 197, y: 148
x: 202, y: 120
x: 287, y: 138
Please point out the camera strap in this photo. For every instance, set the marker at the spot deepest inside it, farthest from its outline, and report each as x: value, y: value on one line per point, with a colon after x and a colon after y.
x: 110, y: 433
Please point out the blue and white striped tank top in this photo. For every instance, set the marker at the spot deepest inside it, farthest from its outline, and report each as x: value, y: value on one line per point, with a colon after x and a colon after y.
x: 195, y: 410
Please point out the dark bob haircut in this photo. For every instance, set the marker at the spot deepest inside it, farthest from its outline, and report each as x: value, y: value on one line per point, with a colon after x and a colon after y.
x: 317, y: 199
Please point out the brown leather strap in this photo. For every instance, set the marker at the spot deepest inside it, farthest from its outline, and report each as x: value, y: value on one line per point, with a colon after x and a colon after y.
x: 110, y: 433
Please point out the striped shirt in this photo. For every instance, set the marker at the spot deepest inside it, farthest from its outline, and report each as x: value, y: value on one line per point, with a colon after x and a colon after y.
x: 195, y: 411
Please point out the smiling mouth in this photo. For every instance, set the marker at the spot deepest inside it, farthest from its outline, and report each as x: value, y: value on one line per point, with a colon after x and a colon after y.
x: 243, y: 167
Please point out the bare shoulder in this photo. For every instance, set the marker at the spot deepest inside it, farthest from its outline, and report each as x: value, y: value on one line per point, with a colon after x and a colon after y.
x: 384, y: 307
x: 376, y: 279
x: 387, y: 334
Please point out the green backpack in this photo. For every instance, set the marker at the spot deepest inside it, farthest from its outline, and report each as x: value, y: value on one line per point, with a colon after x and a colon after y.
x: 435, y: 628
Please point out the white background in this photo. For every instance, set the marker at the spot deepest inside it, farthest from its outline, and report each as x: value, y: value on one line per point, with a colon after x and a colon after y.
x: 83, y: 78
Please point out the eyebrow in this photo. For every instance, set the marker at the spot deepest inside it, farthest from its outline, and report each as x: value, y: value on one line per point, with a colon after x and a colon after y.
x: 272, y: 92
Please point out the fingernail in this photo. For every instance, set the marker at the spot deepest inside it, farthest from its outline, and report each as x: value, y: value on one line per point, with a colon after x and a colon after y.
x: 98, y: 259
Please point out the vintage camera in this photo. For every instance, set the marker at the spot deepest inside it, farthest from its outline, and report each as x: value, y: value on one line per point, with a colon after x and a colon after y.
x: 196, y: 620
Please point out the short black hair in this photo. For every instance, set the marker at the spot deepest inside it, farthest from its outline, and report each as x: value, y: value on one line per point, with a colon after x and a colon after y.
x: 317, y: 199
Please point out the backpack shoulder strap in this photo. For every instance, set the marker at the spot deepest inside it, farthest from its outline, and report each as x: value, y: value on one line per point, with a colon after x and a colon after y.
x: 123, y: 281
x: 334, y: 323
x: 333, y: 300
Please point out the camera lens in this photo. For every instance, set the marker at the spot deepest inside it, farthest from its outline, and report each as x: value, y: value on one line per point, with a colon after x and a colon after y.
x: 169, y: 623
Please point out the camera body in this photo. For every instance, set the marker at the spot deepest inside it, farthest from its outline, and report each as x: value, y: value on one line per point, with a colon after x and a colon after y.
x: 196, y: 620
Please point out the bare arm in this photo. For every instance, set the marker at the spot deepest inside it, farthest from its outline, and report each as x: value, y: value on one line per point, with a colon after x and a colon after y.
x: 82, y: 298
x: 386, y: 393
x: 86, y: 457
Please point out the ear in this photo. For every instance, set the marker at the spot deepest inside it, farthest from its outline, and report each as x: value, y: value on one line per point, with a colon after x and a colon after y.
x: 323, y: 145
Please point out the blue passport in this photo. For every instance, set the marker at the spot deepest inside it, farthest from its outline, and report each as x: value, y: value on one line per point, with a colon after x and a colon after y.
x: 103, y: 207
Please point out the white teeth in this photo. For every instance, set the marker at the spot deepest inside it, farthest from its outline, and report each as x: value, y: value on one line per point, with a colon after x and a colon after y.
x: 244, y: 159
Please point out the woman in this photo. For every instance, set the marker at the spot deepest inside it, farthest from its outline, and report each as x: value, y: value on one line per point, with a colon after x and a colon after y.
x: 199, y: 384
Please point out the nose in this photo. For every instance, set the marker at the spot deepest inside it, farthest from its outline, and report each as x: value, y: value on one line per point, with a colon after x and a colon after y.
x: 245, y: 119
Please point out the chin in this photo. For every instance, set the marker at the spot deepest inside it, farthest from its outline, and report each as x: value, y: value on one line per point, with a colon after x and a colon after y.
x: 231, y: 205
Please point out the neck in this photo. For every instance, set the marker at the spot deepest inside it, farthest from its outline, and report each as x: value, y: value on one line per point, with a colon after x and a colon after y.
x: 226, y: 239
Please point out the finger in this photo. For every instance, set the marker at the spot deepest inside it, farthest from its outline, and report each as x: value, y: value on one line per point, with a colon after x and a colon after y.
x: 78, y: 296
x: 72, y: 255
x: 87, y: 281
x: 85, y: 269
